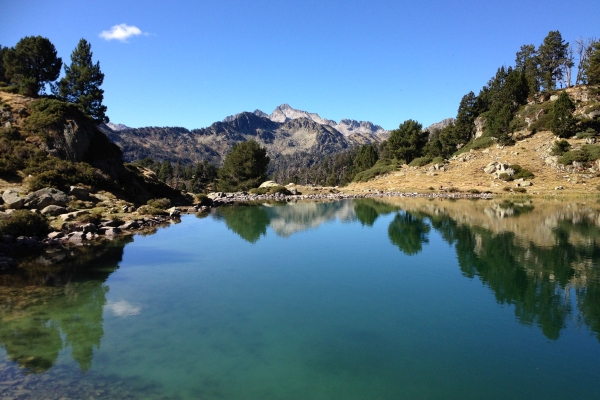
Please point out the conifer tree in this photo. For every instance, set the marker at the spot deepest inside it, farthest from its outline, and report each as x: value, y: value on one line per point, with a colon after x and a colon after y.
x: 245, y: 167
x: 365, y: 158
x: 563, y: 122
x: 82, y: 81
x: 3, y: 51
x: 31, y: 64
x: 407, y: 142
x: 592, y: 67
x: 552, y: 55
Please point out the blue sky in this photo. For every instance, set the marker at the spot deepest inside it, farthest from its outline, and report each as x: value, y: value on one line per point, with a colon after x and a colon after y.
x: 195, y: 62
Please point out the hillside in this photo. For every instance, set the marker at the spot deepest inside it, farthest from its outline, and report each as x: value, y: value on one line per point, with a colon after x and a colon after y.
x: 49, y: 143
x: 531, y: 151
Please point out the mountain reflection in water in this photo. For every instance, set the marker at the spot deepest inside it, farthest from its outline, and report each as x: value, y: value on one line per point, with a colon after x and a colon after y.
x: 533, y: 256
x: 530, y: 256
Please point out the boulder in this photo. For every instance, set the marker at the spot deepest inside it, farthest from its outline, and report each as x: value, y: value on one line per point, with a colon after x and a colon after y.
x: 72, y: 215
x: 129, y: 225
x: 56, y: 235
x: 215, y: 195
x: 77, y: 237
x: 53, y: 210
x: 88, y: 228
x: 268, y: 184
x: 13, y: 199
x: 109, y: 231
x: 46, y: 197
x: 79, y: 192
x: 174, y: 212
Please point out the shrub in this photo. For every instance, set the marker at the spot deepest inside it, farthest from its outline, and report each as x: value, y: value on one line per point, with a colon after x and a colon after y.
x: 49, y: 114
x: 506, y: 188
x: 437, y: 160
x: 25, y: 223
x: 94, y: 218
x: 479, y: 143
x: 520, y: 190
x: 587, y: 153
x: 521, y: 172
x: 560, y: 147
x: 544, y: 123
x: 419, y: 162
x: 453, y: 190
x: 162, y: 204
x: 203, y: 200
x: 381, y: 167
x: 61, y: 174
x: 149, y: 210
x: 474, y: 191
x: 10, y: 89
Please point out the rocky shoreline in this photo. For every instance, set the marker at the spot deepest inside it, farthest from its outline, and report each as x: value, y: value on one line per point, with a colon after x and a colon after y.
x: 71, y: 231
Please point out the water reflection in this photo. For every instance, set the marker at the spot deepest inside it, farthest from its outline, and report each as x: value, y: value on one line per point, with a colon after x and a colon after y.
x: 408, y: 232
x: 55, y: 301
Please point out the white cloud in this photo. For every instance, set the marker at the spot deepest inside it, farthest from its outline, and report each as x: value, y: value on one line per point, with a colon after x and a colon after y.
x: 123, y: 308
x: 122, y: 32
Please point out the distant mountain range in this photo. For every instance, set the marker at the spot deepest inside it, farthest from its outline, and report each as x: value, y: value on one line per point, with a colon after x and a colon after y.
x: 289, y: 135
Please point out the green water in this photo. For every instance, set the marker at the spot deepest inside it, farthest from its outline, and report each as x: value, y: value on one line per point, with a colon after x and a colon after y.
x: 342, y: 300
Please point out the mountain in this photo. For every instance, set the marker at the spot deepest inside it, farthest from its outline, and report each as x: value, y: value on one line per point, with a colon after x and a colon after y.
x: 117, y: 127
x: 291, y: 137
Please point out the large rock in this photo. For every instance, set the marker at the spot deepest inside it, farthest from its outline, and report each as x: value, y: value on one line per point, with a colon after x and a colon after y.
x: 72, y: 215
x: 53, y: 210
x: 13, y: 199
x: 268, y: 184
x: 216, y: 195
x: 46, y: 197
x: 80, y: 193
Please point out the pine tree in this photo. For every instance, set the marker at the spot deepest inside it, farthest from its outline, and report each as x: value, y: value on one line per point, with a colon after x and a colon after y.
x: 592, y: 67
x: 82, y: 81
x: 563, y: 122
x: 365, y: 158
x: 527, y: 60
x: 552, y: 55
x: 407, y: 142
x: 31, y: 64
x: 166, y: 171
x: 245, y: 167
x: 3, y: 51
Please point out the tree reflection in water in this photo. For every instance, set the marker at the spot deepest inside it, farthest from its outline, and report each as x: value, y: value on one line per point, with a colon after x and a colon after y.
x: 51, y: 305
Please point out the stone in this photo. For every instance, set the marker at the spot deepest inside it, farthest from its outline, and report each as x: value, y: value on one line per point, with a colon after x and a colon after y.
x: 77, y: 237
x: 45, y: 197
x: 79, y: 192
x: 489, y: 169
x: 53, y: 210
x: 72, y: 215
x: 56, y: 235
x: 523, y: 184
x: 268, y: 184
x: 559, y: 188
x: 13, y: 199
x: 88, y: 228
x: 111, y: 231
x: 129, y: 225
x: 174, y: 212
x: 110, y: 224
x: 215, y: 195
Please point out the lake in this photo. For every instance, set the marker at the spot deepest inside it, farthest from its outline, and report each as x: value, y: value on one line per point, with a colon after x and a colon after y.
x: 359, y: 299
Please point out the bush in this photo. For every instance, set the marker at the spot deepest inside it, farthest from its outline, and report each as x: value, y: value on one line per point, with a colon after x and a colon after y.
x: 10, y: 89
x: 94, y: 218
x: 25, y: 223
x: 479, y: 143
x: 381, y: 167
x: 203, y: 200
x: 520, y: 190
x: 560, y: 147
x: 521, y: 172
x: 438, y: 160
x: 50, y: 114
x: 587, y: 153
x: 61, y: 174
x: 419, y: 162
x: 149, y: 210
x: 544, y: 123
x: 162, y: 204
x: 474, y: 191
